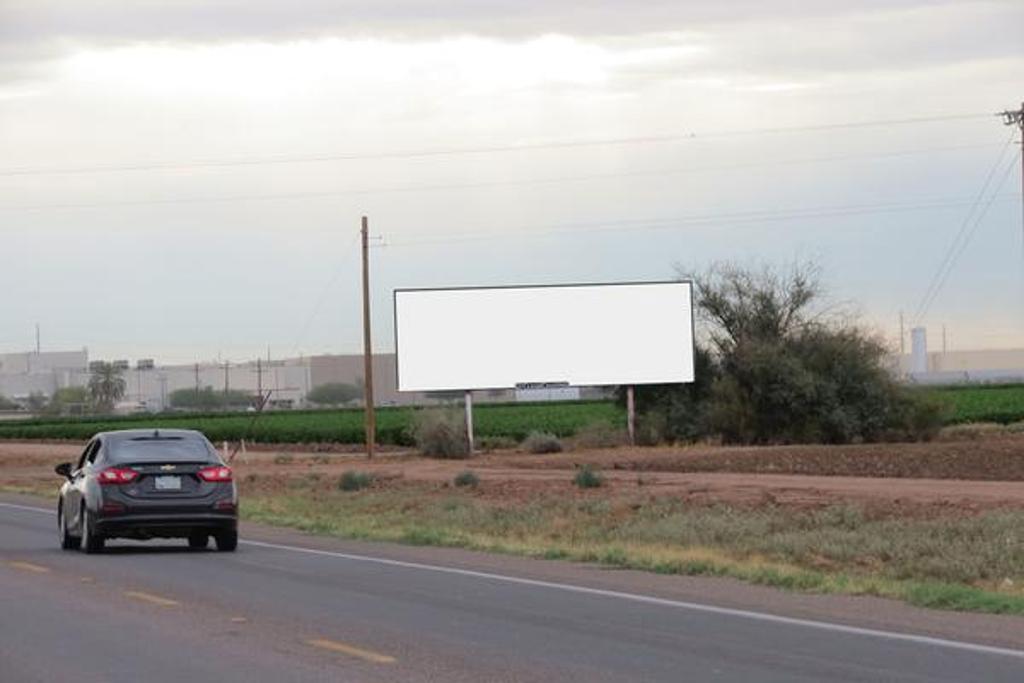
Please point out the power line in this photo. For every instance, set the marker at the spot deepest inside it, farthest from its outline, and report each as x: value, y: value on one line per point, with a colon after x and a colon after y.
x: 495, y: 183
x: 962, y: 246
x: 938, y: 277
x: 734, y: 218
x: 348, y: 253
x: 464, y: 151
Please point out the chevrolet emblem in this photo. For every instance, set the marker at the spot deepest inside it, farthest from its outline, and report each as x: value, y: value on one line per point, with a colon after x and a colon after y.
x: 166, y: 468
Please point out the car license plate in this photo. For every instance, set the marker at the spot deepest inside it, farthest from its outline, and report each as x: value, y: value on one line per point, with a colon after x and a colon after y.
x: 168, y: 483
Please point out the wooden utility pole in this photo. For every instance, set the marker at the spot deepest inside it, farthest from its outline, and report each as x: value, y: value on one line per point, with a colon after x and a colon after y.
x: 227, y: 383
x: 371, y: 418
x: 1016, y: 118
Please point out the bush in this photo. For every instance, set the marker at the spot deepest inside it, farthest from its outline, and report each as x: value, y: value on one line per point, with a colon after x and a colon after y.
x: 652, y: 428
x: 599, y: 435
x: 588, y: 478
x: 778, y: 368
x: 334, y: 393
x: 441, y: 433
x: 353, y: 480
x: 542, y: 442
x: 283, y: 459
x: 467, y: 478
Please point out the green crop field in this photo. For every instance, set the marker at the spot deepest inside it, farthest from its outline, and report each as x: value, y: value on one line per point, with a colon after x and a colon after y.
x: 512, y: 421
x: 997, y: 403
x: 1003, y: 403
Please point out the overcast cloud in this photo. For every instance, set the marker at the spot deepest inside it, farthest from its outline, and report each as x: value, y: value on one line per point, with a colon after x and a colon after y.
x: 194, y: 260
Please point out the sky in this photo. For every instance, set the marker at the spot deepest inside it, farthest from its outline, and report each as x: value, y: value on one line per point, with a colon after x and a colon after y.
x: 184, y: 180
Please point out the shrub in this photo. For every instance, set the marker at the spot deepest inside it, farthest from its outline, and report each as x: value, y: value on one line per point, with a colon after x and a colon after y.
x: 542, y: 442
x: 467, y: 478
x: 440, y: 433
x: 779, y: 368
x: 283, y: 459
x: 320, y: 459
x: 588, y: 478
x: 353, y: 480
x: 599, y: 435
x: 652, y: 428
x: 334, y: 393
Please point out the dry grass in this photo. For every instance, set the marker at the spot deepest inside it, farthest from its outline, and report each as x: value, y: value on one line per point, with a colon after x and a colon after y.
x: 948, y: 561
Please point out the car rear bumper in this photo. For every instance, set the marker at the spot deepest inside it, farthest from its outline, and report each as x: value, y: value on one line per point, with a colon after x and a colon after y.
x: 165, y: 524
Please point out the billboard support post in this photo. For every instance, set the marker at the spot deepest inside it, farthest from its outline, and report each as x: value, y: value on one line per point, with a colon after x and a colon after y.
x: 631, y: 415
x: 469, y: 420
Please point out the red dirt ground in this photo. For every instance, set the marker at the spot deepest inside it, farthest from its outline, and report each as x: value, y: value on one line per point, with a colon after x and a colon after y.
x: 968, y: 475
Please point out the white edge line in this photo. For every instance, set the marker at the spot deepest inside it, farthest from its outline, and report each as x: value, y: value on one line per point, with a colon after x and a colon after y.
x: 634, y: 597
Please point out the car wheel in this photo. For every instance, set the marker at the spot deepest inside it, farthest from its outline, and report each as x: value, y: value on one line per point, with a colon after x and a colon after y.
x: 197, y: 540
x: 227, y: 541
x: 67, y: 541
x: 92, y: 542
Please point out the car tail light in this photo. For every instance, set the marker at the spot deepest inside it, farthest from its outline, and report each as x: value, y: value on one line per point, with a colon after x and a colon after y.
x: 117, y: 475
x: 215, y: 474
x: 224, y: 505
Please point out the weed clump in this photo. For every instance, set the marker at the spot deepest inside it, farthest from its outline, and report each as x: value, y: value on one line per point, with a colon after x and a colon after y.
x: 588, y: 478
x: 467, y: 478
x: 353, y: 480
x: 542, y: 442
x: 440, y: 433
x: 283, y: 459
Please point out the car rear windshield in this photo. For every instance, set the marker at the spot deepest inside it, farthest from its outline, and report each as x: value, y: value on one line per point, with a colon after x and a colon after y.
x: 162, y: 449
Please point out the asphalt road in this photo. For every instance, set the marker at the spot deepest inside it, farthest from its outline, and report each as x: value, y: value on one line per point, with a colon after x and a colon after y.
x: 287, y: 607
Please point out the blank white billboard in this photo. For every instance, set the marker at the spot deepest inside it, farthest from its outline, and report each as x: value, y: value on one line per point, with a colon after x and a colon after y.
x: 579, y: 335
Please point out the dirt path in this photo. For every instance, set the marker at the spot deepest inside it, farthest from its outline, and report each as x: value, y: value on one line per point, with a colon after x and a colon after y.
x: 640, y: 470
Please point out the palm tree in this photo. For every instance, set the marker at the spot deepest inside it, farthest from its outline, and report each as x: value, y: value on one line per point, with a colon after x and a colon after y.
x: 106, y: 386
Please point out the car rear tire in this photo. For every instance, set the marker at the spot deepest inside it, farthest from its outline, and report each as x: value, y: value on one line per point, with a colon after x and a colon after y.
x: 92, y: 542
x: 198, y: 541
x: 67, y: 541
x: 227, y: 541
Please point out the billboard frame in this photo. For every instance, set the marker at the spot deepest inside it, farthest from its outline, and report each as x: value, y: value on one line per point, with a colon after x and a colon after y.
x: 397, y: 290
x: 468, y: 393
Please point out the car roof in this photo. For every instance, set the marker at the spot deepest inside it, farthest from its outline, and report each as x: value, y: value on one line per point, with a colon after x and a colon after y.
x: 126, y: 434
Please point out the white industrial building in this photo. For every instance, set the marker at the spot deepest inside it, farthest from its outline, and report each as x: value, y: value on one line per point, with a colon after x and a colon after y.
x: 32, y: 372
x: 149, y: 386
x: 922, y: 366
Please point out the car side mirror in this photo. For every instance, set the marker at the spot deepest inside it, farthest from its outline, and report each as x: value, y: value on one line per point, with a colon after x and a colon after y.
x: 63, y: 469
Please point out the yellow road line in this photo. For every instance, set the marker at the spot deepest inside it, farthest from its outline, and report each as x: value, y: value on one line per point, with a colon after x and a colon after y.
x: 29, y: 567
x: 351, y: 650
x: 153, y: 599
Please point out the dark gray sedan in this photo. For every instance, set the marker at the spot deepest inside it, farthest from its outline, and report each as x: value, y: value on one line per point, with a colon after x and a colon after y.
x: 147, y: 483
